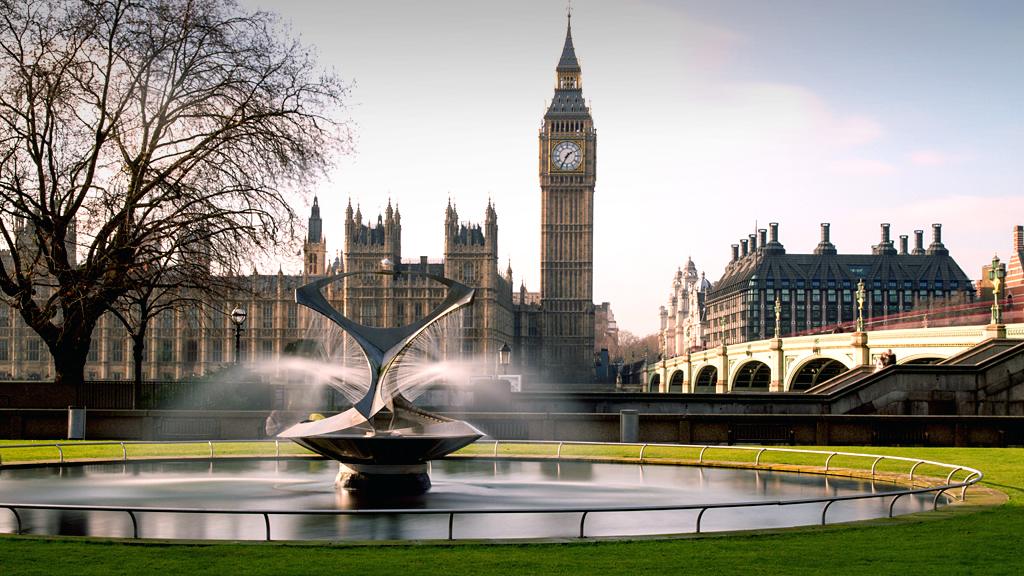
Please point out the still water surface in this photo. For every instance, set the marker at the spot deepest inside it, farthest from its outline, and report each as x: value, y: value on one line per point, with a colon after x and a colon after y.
x: 292, y: 485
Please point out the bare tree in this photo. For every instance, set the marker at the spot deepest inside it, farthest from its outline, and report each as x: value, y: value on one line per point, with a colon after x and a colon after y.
x: 125, y: 124
x: 633, y: 347
x: 179, y: 277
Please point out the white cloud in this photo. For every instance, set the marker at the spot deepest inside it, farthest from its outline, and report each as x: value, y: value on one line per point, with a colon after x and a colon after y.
x: 935, y: 158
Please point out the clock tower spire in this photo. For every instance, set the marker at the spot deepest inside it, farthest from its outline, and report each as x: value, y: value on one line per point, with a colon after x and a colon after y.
x: 568, y: 154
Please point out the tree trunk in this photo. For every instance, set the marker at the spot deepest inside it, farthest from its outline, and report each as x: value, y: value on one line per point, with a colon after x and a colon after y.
x: 138, y: 358
x: 69, y: 355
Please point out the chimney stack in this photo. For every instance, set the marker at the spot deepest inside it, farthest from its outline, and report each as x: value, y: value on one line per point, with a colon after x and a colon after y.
x: 1018, y: 239
x: 735, y: 252
x: 885, y: 246
x: 936, y: 246
x: 903, y: 244
x: 774, y: 236
x: 744, y: 246
x: 825, y: 246
x: 918, y: 243
x: 753, y: 242
x: 762, y: 238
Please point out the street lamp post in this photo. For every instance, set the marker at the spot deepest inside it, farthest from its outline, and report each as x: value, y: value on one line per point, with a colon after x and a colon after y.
x: 996, y: 275
x: 778, y: 317
x: 504, y: 357
x: 238, y: 316
x: 860, y: 305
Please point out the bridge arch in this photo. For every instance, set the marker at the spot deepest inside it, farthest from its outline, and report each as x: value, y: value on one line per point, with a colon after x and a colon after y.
x: 655, y: 383
x: 752, y: 375
x: 675, y: 383
x: 707, y: 377
x: 814, y: 371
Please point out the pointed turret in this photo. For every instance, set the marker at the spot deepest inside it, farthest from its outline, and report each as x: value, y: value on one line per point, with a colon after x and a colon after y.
x: 315, y: 247
x: 568, y: 61
x: 568, y: 99
x: 315, y: 223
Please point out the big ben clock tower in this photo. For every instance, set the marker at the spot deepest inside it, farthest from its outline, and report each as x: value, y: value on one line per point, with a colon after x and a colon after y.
x: 568, y: 155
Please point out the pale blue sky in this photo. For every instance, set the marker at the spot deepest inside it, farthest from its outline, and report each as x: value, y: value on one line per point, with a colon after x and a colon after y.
x: 710, y: 116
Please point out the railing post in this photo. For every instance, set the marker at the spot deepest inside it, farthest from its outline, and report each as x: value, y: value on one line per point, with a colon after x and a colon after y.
x: 451, y: 521
x: 495, y: 455
x: 135, y: 524
x: 893, y: 503
x: 210, y: 442
x: 642, y: 448
x: 829, y: 459
x: 912, y: 468
x: 700, y: 459
x: 61, y: 452
x: 266, y: 520
x: 558, y: 455
x: 757, y: 460
x: 825, y: 511
x: 699, y: 516
x: 582, y: 520
x: 124, y: 453
x: 935, y: 502
x: 17, y: 517
x: 875, y: 463
x: 955, y: 470
x: 277, y: 448
x: 963, y: 491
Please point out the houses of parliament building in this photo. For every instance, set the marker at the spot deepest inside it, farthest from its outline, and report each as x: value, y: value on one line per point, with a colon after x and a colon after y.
x: 551, y: 332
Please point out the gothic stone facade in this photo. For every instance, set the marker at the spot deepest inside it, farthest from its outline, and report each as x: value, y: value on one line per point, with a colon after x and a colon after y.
x: 568, y: 156
x: 200, y: 340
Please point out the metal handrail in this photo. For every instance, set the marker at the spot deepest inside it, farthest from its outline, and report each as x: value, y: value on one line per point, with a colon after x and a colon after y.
x: 973, y: 476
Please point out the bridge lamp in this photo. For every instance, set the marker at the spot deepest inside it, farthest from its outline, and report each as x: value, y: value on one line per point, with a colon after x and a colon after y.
x: 996, y: 274
x: 238, y: 316
x: 860, y: 305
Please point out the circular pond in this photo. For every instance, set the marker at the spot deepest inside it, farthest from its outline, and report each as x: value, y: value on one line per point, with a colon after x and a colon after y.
x: 291, y: 487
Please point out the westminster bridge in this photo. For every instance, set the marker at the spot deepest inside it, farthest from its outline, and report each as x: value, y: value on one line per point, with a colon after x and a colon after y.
x: 802, y: 362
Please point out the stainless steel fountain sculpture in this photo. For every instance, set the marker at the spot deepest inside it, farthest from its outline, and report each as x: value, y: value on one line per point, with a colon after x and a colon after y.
x: 391, y: 456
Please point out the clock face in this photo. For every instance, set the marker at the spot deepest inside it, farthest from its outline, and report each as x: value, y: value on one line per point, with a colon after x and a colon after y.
x: 566, y: 155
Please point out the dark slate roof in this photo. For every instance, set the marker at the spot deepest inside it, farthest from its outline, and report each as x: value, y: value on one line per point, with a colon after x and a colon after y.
x: 568, y: 62
x: 762, y: 266
x: 568, y: 103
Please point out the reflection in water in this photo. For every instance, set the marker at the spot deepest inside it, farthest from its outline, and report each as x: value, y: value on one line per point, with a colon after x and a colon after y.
x: 296, y: 485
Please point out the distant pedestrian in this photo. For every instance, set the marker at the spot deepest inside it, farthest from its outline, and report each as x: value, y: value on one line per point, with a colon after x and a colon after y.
x: 890, y: 358
x: 880, y: 362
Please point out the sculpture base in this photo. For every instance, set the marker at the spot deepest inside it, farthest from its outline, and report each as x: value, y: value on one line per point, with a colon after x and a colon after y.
x: 383, y: 478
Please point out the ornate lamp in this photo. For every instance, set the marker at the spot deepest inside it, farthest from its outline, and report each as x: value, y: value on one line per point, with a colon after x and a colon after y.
x: 860, y: 305
x: 778, y: 317
x: 238, y: 316
x: 996, y: 274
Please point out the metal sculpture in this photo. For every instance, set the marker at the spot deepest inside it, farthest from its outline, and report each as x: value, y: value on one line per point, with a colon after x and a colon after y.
x: 375, y: 458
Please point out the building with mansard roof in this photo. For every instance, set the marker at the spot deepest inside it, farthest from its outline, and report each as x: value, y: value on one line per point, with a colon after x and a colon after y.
x: 818, y: 289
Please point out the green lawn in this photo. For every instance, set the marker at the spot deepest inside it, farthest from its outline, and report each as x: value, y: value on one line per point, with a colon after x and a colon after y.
x: 987, y: 541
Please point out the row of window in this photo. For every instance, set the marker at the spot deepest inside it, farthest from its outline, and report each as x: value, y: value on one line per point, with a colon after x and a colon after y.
x: 892, y: 284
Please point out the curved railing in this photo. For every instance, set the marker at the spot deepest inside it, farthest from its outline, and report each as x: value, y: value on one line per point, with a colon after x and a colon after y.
x: 972, y: 476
